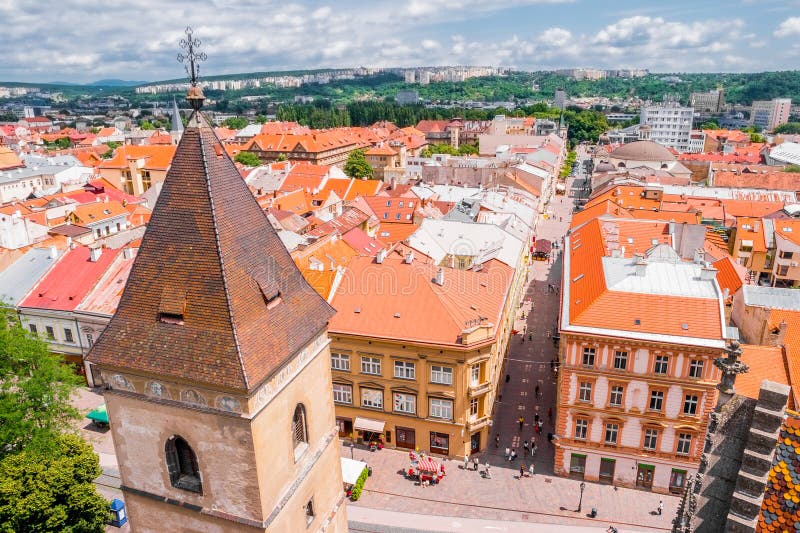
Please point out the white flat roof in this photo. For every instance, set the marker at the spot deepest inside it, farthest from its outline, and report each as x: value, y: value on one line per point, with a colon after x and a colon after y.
x: 661, y: 277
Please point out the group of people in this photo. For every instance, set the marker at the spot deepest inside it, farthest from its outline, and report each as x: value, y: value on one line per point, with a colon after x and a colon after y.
x: 477, y: 464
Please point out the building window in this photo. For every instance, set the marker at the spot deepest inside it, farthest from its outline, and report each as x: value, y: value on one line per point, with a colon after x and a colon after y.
x: 616, y: 396
x: 620, y: 360
x: 585, y: 392
x: 51, y: 334
x: 656, y: 400
x: 442, y: 374
x: 612, y: 431
x: 182, y: 465
x: 372, y: 398
x: 309, y: 510
x: 340, y: 361
x: 661, y: 364
x: 440, y: 408
x: 581, y: 428
x: 68, y: 335
x: 475, y: 375
x: 684, y: 444
x: 405, y: 403
x: 342, y: 393
x: 90, y: 339
x: 786, y: 254
x: 403, y: 370
x: 473, y: 407
x: 696, y: 369
x: 676, y: 480
x: 783, y: 270
x: 650, y: 439
x: 33, y: 329
x: 690, y: 405
x: 299, y: 427
x: 371, y: 365
x: 588, y: 356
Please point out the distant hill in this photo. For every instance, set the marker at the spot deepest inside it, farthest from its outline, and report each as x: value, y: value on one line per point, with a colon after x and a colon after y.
x: 115, y: 83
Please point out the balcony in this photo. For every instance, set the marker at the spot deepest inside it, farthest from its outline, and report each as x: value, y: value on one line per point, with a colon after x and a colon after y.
x: 475, y: 422
x: 476, y: 389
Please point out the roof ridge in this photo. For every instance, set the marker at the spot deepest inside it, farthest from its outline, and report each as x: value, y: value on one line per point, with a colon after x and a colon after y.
x: 218, y: 246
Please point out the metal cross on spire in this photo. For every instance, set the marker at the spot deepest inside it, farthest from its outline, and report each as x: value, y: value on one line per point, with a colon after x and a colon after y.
x: 192, y: 57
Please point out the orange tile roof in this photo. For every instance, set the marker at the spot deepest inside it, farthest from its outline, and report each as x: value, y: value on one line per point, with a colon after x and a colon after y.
x: 789, y: 230
x: 316, y: 142
x: 597, y: 209
x: 97, y: 211
x: 685, y: 217
x: 750, y: 208
x: 765, y: 362
x: 9, y: 159
x: 730, y: 276
x: 364, y: 188
x: 627, y: 196
x: 592, y: 304
x: 754, y: 232
x: 156, y: 156
x: 392, y: 232
x: 331, y: 253
x: 305, y: 176
x: 791, y: 342
x: 295, y: 201
x: 381, y: 150
x: 368, y: 306
x: 766, y: 179
x: 393, y: 209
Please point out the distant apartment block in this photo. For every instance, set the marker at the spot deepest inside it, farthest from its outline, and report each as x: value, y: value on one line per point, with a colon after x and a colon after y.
x: 708, y: 102
x: 670, y: 124
x: 767, y: 114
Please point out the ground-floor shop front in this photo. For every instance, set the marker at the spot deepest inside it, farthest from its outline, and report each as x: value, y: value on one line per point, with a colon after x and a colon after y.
x: 646, y: 473
x: 379, y: 430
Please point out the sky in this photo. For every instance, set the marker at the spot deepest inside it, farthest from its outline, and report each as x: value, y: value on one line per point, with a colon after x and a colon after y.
x: 85, y: 40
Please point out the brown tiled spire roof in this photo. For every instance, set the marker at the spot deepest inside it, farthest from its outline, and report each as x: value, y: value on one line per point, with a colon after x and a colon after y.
x: 213, y: 296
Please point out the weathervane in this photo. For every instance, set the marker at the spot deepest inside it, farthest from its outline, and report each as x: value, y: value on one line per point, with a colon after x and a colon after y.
x: 191, y: 59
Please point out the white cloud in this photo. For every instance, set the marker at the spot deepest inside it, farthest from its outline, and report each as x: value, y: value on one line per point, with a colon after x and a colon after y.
x: 429, y: 44
x: 788, y: 27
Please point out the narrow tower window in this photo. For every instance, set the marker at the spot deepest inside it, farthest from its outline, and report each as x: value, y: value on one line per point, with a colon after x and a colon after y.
x: 182, y: 465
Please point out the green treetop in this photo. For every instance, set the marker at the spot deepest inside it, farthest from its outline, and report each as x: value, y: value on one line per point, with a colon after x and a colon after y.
x: 248, y: 159
x: 356, y: 165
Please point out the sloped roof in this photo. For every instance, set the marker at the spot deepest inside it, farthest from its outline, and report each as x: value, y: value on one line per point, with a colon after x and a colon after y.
x: 211, y: 254
x: 156, y: 157
x: 430, y: 313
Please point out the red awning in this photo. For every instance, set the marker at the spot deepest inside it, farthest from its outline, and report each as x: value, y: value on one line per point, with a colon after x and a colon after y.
x: 543, y: 246
x: 427, y: 465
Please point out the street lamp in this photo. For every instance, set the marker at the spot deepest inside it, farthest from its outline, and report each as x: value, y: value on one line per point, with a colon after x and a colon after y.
x: 352, y: 447
x: 580, y: 502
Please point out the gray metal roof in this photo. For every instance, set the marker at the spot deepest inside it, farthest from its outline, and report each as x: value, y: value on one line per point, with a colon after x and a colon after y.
x: 771, y: 297
x: 24, y: 273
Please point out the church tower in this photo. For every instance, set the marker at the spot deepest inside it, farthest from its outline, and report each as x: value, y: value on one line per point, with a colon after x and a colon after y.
x: 218, y: 363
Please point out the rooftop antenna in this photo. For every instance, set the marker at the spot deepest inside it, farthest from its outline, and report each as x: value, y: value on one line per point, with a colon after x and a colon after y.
x: 191, y: 59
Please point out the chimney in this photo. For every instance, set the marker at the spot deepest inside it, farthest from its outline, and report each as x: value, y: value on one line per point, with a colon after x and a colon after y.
x: 757, y: 226
x: 640, y: 265
x: 53, y: 252
x: 410, y: 257
x: 127, y: 253
x: 439, y: 278
x: 699, y: 256
x: 95, y: 253
x: 381, y: 256
x: 708, y: 273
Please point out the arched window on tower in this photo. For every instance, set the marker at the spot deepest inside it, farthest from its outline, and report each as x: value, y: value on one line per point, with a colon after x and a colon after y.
x: 182, y: 465
x: 299, y: 431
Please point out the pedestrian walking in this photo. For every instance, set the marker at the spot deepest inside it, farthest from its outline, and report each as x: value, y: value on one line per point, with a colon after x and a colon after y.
x: 466, y: 461
x: 531, y: 469
x: 537, y: 391
x: 550, y: 414
x: 497, y: 440
x: 508, y: 452
x: 508, y: 377
x: 513, y: 454
x: 476, y: 463
x: 525, y: 448
x: 488, y: 472
x: 540, y: 424
x: 533, y: 450
x: 536, y: 418
x: 521, y: 422
x: 521, y: 471
x: 660, y: 507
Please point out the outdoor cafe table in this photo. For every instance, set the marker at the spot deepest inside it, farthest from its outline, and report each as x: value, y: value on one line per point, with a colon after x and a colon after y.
x: 428, y: 469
